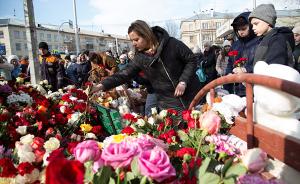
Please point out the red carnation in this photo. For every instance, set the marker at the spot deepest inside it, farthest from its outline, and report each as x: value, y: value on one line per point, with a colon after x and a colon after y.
x: 25, y: 168
x: 60, y: 118
x: 65, y: 171
x: 7, y: 168
x: 186, y: 115
x: 129, y: 117
x: 172, y: 112
x: 66, y: 98
x: 39, y: 154
x: 169, y: 121
x: 190, y: 151
x: 37, y: 143
x: 97, y: 129
x: 128, y: 130
x: 71, y: 146
x: 80, y: 107
x: 56, y: 154
x: 160, y: 127
x: 233, y: 53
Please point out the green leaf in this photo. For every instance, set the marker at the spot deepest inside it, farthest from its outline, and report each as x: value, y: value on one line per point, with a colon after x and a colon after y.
x: 182, y: 135
x: 103, y: 176
x: 204, y: 167
x: 227, y: 164
x: 229, y: 180
x: 235, y: 171
x: 209, y: 178
x: 89, y: 174
x: 144, y: 180
x: 129, y: 176
x: 134, y: 166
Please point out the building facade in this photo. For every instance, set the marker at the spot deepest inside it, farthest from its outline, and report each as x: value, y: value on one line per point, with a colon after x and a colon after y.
x: 213, y: 27
x: 13, y: 37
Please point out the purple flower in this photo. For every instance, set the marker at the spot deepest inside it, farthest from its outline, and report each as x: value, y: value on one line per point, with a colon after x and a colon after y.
x: 257, y: 179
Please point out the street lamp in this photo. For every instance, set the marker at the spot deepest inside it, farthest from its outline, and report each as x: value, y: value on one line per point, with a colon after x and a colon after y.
x: 58, y: 31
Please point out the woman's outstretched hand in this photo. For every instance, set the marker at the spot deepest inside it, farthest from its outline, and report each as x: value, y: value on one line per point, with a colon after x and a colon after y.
x: 180, y: 89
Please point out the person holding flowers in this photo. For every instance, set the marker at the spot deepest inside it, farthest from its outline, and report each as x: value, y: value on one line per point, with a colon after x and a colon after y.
x: 244, y: 47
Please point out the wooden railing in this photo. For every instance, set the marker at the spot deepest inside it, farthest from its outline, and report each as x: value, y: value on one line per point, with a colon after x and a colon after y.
x: 277, y: 145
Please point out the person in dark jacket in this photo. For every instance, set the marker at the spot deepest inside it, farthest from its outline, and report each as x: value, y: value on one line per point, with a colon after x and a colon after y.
x: 274, y: 46
x: 83, y: 67
x: 296, y: 53
x: 71, y: 69
x: 209, y: 61
x: 246, y: 45
x: 50, y: 67
x: 167, y: 63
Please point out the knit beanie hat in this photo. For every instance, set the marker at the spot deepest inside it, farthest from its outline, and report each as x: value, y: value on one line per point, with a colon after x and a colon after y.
x: 43, y: 45
x: 226, y: 43
x: 266, y: 13
x: 296, y: 28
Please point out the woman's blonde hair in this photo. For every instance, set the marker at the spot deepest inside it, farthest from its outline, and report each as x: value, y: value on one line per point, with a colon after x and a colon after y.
x: 144, y: 30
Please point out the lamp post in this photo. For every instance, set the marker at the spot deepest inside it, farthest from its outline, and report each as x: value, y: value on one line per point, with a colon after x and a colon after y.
x: 76, y: 28
x: 58, y: 32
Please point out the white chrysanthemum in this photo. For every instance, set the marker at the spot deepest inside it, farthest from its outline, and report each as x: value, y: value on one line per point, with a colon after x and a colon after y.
x: 27, y: 139
x: 52, y: 144
x: 163, y: 114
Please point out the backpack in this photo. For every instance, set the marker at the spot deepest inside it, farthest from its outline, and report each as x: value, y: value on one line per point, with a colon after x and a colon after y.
x: 201, y: 74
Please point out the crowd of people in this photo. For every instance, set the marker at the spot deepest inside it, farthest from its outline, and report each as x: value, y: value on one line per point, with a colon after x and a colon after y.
x: 165, y: 65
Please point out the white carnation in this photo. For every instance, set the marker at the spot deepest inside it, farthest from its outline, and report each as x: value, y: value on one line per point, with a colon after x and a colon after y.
x: 22, y: 130
x: 52, y: 144
x: 27, y: 139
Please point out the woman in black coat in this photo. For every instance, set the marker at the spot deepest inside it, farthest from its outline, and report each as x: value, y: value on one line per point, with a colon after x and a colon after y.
x: 167, y: 63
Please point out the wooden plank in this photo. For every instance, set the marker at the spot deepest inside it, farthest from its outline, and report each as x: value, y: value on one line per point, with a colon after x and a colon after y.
x: 276, y: 144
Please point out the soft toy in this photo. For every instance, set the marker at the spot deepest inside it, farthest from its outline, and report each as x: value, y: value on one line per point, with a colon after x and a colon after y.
x: 273, y: 108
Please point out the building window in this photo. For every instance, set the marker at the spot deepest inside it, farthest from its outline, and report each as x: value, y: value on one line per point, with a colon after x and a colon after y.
x: 18, y: 47
x: 1, y: 34
x: 42, y: 36
x: 204, y: 25
x: 218, y: 24
x: 17, y: 34
x: 25, y: 47
x: 89, y: 46
x: 190, y: 27
x: 24, y: 35
x: 49, y: 37
x: 55, y: 38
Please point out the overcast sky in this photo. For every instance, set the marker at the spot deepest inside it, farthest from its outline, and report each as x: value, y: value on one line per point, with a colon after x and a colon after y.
x: 114, y: 16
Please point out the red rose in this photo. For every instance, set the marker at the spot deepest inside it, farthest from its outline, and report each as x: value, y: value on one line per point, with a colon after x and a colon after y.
x: 71, y: 146
x: 186, y: 115
x: 128, y: 130
x: 56, y: 154
x: 190, y: 151
x: 25, y: 168
x: 66, y: 98
x: 80, y: 107
x: 60, y: 118
x: 65, y: 171
x: 172, y: 112
x: 7, y: 168
x: 191, y: 123
x: 129, y: 117
x: 233, y: 53
x: 161, y: 127
x: 37, y: 143
x: 171, y: 133
x: 169, y: 121
x: 97, y: 129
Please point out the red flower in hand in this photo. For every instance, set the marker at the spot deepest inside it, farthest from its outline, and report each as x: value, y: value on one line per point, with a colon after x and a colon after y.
x: 240, y: 62
x: 7, y: 168
x: 65, y: 171
x: 233, y: 53
x: 128, y: 130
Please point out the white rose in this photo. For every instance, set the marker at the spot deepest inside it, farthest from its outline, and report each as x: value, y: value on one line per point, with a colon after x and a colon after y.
x: 140, y: 122
x: 62, y: 109
x: 51, y: 144
x: 151, y: 120
x: 90, y: 136
x: 163, y: 114
x: 22, y: 130
x: 27, y: 139
x: 25, y: 153
x: 154, y: 111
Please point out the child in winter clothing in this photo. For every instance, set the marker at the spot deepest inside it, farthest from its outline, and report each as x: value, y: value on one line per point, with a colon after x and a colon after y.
x: 276, y: 43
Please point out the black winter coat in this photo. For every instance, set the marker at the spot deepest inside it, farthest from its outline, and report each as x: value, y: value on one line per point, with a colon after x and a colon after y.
x: 173, y: 62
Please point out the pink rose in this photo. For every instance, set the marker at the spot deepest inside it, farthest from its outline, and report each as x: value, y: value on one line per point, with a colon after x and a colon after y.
x: 87, y: 151
x: 97, y: 164
x: 210, y: 122
x: 156, y: 164
x: 146, y: 142
x: 119, y: 154
x: 255, y: 160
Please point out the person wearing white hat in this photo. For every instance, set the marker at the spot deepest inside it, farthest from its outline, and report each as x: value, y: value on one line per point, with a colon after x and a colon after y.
x: 14, y: 60
x: 5, y: 69
x: 296, y: 53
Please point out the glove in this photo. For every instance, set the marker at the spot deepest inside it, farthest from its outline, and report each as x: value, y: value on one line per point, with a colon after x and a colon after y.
x: 180, y: 89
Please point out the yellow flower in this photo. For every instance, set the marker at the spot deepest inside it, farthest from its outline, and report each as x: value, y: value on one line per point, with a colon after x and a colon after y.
x: 100, y: 145
x: 118, y: 138
x: 86, y: 127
